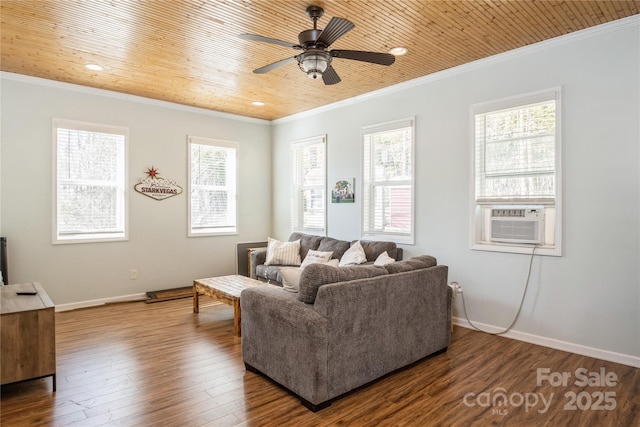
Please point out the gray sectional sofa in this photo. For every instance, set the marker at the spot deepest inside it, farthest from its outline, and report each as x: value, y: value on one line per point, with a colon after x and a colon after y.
x: 347, y: 326
x: 271, y: 273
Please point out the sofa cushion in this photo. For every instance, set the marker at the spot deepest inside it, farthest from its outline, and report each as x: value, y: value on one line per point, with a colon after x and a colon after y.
x: 317, y: 275
x: 290, y: 278
x: 383, y: 259
x: 415, y: 263
x: 282, y: 253
x: 338, y: 247
x: 269, y: 272
x: 373, y: 249
x: 307, y: 242
x: 315, y: 256
x: 354, y: 255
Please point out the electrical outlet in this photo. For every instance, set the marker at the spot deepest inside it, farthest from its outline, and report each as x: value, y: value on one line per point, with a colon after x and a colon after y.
x: 455, y: 289
x: 133, y: 275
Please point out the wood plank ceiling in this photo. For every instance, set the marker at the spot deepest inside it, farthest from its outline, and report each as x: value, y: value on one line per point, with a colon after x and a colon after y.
x: 188, y: 52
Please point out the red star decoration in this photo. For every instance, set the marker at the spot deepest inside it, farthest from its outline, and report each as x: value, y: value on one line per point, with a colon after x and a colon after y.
x: 152, y: 172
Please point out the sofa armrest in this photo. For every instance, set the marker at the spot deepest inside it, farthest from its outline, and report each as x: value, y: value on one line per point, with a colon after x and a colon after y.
x: 258, y: 257
x: 286, y: 340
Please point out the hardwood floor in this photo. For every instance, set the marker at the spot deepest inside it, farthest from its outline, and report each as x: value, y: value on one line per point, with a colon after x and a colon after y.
x: 137, y: 364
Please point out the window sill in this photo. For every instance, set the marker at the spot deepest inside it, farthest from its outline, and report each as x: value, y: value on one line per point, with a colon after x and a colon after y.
x: 92, y: 238
x: 213, y: 233
x: 398, y: 239
x: 517, y: 249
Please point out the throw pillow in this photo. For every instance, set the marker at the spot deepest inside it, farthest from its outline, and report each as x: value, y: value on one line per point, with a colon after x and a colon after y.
x: 338, y: 247
x: 290, y: 278
x: 373, y: 249
x: 282, y: 253
x: 354, y: 255
x: 383, y: 259
x: 316, y: 256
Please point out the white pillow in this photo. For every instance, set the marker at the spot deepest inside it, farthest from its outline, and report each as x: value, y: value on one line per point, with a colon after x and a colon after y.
x: 333, y: 262
x: 315, y: 257
x: 282, y: 253
x: 290, y: 278
x: 354, y: 255
x: 383, y: 259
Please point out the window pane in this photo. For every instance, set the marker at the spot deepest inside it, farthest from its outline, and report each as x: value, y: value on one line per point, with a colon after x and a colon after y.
x: 391, y: 155
x: 392, y: 209
x: 210, y: 208
x: 90, y: 182
x: 388, y: 181
x: 212, y: 202
x: 313, y: 204
x: 515, y: 153
x: 309, y: 183
x: 87, y: 209
x: 88, y: 155
x: 209, y: 164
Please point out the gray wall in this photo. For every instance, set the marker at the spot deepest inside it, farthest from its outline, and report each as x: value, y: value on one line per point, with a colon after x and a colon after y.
x: 589, y: 296
x: 158, y: 246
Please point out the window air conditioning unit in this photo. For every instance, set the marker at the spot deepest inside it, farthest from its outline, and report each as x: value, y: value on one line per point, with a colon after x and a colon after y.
x: 517, y: 224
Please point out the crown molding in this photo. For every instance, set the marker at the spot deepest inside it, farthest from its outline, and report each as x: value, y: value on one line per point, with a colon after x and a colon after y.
x: 629, y: 22
x: 126, y: 97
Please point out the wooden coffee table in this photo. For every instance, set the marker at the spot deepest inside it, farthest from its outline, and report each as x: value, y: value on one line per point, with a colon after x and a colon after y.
x: 226, y: 289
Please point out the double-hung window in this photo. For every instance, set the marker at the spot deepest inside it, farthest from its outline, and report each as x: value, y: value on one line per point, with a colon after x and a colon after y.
x: 212, y: 187
x: 388, y: 181
x: 517, y: 149
x: 309, y: 186
x: 89, y: 182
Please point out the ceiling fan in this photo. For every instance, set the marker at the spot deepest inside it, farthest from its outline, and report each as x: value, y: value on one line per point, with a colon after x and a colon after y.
x: 315, y: 59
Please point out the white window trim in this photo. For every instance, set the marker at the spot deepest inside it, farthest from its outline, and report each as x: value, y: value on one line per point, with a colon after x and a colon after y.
x: 93, y: 237
x: 321, y: 139
x: 208, y: 232
x: 400, y: 238
x: 474, y: 227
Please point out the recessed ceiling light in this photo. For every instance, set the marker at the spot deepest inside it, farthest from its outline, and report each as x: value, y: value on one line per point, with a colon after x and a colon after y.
x: 94, y: 67
x: 398, y: 51
x: 257, y: 103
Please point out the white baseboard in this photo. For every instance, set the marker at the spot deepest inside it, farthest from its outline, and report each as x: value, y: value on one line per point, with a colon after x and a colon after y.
x: 102, y: 301
x: 611, y: 356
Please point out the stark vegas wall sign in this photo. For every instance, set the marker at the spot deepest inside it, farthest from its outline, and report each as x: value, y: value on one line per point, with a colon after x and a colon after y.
x: 157, y: 188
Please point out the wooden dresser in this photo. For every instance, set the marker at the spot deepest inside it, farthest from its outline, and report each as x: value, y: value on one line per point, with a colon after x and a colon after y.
x: 27, y: 329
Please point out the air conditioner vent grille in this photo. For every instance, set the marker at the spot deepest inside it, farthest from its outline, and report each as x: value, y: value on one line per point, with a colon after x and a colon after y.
x: 513, y: 213
x: 517, y: 224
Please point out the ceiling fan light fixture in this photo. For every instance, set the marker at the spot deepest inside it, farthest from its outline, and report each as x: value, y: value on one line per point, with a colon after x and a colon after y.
x: 314, y: 63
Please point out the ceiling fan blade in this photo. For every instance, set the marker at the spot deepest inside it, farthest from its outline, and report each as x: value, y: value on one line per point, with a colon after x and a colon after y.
x: 358, y: 55
x: 336, y: 28
x: 257, y: 38
x: 330, y: 77
x: 274, y: 65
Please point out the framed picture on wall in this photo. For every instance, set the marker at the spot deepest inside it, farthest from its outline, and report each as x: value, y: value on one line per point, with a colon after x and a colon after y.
x: 344, y: 191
